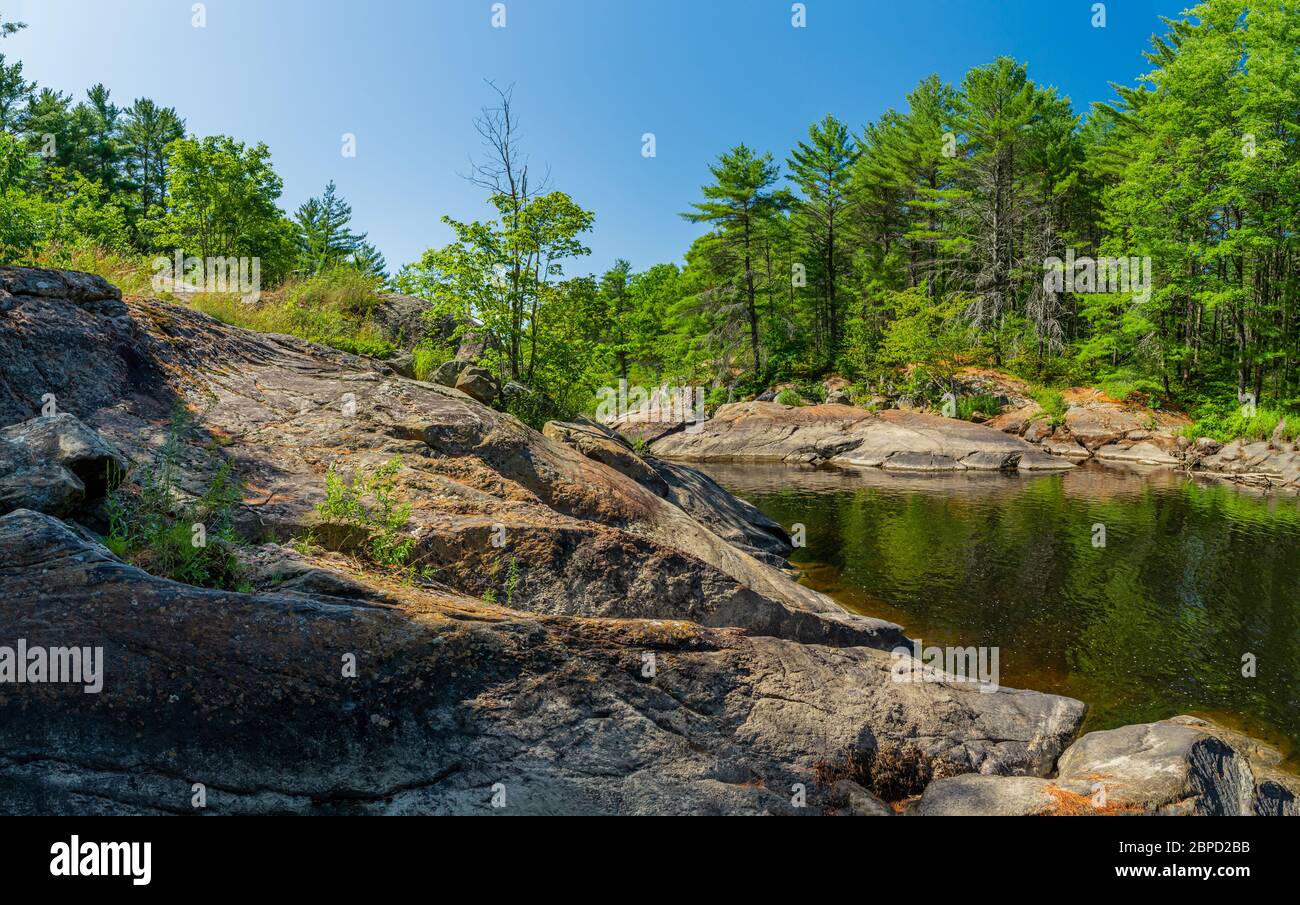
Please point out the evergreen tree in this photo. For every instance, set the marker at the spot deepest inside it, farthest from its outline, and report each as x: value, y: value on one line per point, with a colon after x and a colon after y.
x: 147, y: 130
x: 325, y: 238
x: 740, y: 204
x: 821, y: 168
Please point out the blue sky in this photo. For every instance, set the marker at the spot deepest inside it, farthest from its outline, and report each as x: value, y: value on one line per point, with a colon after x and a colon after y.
x: 590, y: 76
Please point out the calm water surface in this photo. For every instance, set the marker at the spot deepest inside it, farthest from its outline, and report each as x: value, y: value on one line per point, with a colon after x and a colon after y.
x: 1155, y: 623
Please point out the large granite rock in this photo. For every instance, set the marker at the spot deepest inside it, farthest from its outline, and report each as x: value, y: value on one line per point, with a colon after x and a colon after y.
x: 454, y: 702
x: 909, y: 441
x: 1163, y: 768
x: 695, y: 492
x: 579, y: 537
x: 478, y: 383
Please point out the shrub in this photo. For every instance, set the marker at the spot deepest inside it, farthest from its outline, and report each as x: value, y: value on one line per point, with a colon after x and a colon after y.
x: 152, y: 526
x: 341, y: 288
x: 812, y: 390
x: 984, y: 403
x: 427, y: 359
x: 789, y: 396
x: 375, y: 528
x: 1053, y: 404
x: 327, y: 326
x: 131, y: 273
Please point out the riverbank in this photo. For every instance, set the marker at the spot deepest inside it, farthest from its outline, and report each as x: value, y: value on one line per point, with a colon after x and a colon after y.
x: 1024, y: 438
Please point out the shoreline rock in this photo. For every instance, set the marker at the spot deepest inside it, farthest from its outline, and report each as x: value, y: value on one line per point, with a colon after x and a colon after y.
x: 843, y: 435
x: 1180, y: 766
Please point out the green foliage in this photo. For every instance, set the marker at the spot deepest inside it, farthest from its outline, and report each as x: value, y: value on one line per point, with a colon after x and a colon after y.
x: 744, y: 211
x: 326, y: 242
x: 222, y: 202
x: 21, y: 229
x: 1053, y: 404
x: 924, y: 334
x: 365, y: 506
x: 337, y: 287
x: 789, y: 396
x: 156, y: 525
x: 813, y: 391
x: 983, y: 403
x: 315, y: 312
x: 1228, y: 425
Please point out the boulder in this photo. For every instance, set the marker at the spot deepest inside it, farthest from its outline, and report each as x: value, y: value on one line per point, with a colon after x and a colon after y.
x: 695, y: 492
x: 1142, y: 453
x: 1178, y: 766
x: 595, y: 441
x: 974, y: 795
x: 54, y: 464
x: 852, y: 800
x: 403, y: 320
x: 1036, y: 430
x: 402, y: 363
x: 477, y: 383
x: 447, y: 372
x: 52, y: 489
x: 1065, y: 447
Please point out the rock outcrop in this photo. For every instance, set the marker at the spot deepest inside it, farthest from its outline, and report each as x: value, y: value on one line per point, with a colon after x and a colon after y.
x: 54, y: 464
x: 586, y: 632
x: 692, y: 490
x: 453, y: 701
x: 840, y: 434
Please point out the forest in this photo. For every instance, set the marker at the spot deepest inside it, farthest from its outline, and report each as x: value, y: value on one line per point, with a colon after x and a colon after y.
x: 892, y: 254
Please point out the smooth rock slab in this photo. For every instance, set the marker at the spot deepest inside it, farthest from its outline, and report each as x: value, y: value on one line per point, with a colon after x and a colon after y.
x: 244, y: 692
x: 843, y: 435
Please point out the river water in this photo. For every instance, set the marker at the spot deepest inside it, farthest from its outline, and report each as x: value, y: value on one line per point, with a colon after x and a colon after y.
x: 1192, y: 577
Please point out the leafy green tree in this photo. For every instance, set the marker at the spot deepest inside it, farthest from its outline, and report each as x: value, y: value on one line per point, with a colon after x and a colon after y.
x: 369, y: 260
x: 15, y: 92
x: 20, y: 213
x: 473, y: 277
x: 147, y: 130
x: 222, y: 202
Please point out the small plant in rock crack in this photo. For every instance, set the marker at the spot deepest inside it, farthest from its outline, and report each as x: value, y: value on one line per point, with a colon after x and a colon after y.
x: 639, y: 445
x: 361, y: 512
x: 155, y: 524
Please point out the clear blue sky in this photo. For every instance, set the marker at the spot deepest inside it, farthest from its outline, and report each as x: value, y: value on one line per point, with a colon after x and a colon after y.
x: 591, y: 76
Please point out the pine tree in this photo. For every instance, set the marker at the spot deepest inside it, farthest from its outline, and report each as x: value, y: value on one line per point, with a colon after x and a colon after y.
x: 147, y: 129
x: 821, y: 168
x: 324, y: 235
x: 739, y: 204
